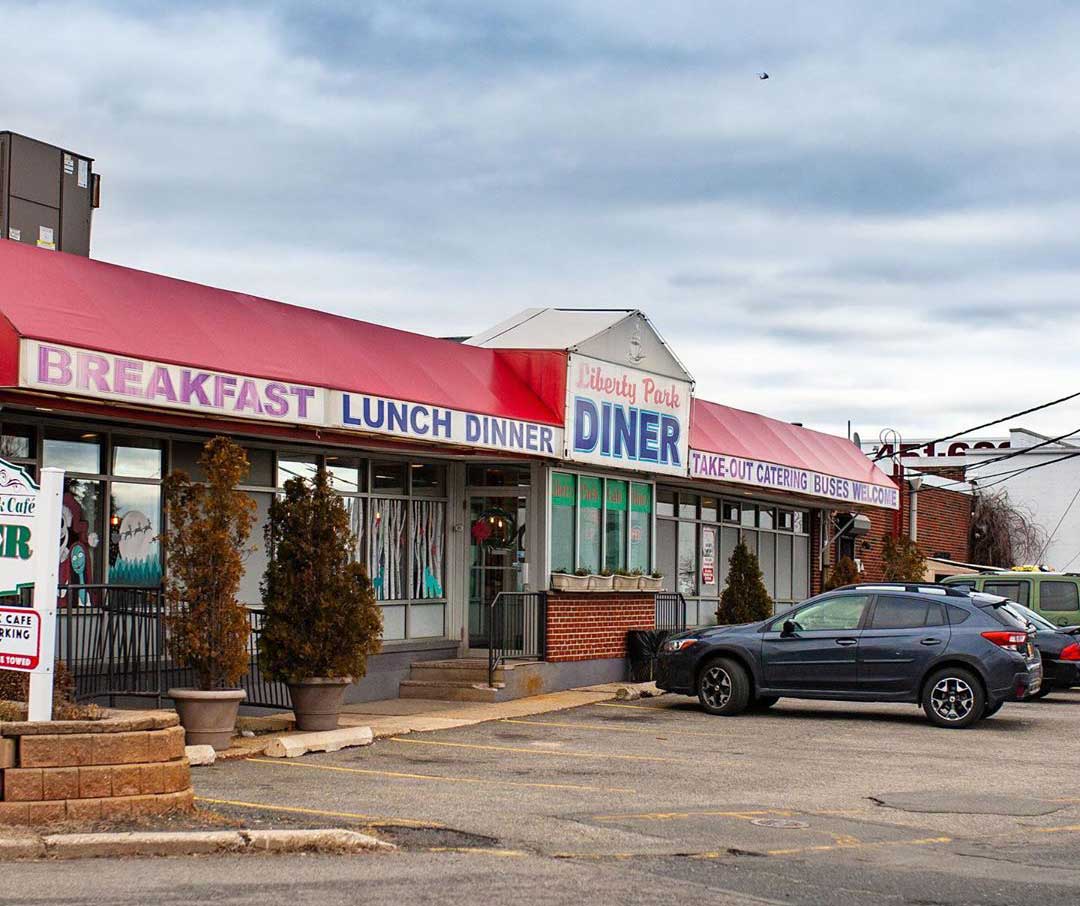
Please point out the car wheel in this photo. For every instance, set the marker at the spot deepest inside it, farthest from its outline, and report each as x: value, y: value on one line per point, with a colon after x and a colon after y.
x: 954, y: 698
x: 764, y: 701
x: 723, y: 687
x: 992, y: 709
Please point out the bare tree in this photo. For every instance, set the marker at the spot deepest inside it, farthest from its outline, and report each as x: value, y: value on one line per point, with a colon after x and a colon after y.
x: 1002, y: 533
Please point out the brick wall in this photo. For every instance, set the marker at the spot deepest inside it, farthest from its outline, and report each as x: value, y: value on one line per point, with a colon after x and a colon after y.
x: 943, y: 523
x: 590, y: 626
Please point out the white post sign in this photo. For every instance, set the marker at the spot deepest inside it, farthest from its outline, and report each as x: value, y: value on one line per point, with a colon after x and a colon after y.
x: 30, y: 518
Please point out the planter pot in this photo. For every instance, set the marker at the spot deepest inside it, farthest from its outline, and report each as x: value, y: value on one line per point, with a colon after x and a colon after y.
x: 316, y: 701
x: 601, y: 583
x: 627, y: 583
x: 566, y: 582
x: 648, y: 583
x: 208, y: 718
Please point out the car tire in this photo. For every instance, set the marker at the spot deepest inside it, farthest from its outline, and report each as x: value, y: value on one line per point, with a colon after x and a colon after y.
x: 763, y: 702
x: 723, y: 687
x: 954, y: 698
x: 992, y: 709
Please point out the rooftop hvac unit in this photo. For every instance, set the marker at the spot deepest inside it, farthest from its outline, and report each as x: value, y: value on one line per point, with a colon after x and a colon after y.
x: 47, y: 195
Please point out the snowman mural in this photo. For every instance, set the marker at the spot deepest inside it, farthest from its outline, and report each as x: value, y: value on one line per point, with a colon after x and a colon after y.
x: 76, y: 542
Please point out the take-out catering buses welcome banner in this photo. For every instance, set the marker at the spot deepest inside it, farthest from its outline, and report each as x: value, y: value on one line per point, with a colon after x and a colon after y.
x: 759, y: 474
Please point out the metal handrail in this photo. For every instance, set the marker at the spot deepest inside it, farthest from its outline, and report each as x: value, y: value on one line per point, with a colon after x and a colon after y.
x: 517, y: 628
x: 670, y: 611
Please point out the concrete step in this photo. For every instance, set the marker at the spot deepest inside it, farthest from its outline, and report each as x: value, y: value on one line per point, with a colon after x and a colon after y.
x: 450, y: 691
x: 453, y: 671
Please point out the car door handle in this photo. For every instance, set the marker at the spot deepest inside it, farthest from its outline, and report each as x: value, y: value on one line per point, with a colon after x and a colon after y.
x: 847, y: 643
x: 930, y: 641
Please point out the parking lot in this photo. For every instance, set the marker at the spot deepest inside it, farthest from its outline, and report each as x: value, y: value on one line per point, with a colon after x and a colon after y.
x: 804, y: 803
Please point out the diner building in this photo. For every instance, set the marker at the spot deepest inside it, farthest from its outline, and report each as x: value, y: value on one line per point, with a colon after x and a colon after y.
x: 557, y: 442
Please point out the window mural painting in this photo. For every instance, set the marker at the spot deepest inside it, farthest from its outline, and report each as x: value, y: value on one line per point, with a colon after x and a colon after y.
x: 428, y: 532
x: 386, y: 559
x: 134, y: 526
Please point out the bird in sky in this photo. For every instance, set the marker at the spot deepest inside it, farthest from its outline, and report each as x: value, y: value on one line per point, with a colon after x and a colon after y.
x: 763, y: 75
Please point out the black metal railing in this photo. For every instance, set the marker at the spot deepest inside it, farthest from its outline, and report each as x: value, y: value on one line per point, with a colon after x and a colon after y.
x: 670, y: 611
x: 517, y: 628
x: 261, y: 691
x: 113, y: 640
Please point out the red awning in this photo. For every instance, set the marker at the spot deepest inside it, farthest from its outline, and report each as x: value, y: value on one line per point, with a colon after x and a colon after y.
x: 734, y: 432
x: 80, y: 302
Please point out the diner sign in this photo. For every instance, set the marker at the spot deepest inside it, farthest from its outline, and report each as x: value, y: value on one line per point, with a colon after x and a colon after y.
x: 420, y: 421
x: 101, y: 375
x: 625, y: 418
x: 759, y: 474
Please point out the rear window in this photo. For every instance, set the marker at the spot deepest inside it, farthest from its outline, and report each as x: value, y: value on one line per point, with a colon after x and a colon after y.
x: 1057, y: 595
x: 957, y: 615
x: 1005, y: 617
x: 895, y: 612
x: 1016, y: 590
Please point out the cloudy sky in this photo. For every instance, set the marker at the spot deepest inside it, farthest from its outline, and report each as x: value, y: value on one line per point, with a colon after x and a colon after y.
x: 884, y: 231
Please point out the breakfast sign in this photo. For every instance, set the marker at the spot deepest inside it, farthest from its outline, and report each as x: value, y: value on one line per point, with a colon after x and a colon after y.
x: 626, y: 418
x: 29, y: 533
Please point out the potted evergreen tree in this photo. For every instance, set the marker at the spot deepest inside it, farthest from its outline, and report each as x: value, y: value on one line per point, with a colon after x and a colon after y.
x: 745, y: 598
x: 208, y: 528
x: 321, y: 620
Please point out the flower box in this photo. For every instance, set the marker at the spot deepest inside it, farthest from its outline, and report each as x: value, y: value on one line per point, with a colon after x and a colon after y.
x: 648, y: 583
x: 627, y: 583
x: 568, y: 582
x: 601, y: 583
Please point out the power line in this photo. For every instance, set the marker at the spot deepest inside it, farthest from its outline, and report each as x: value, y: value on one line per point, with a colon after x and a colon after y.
x: 1012, y: 473
x: 996, y: 421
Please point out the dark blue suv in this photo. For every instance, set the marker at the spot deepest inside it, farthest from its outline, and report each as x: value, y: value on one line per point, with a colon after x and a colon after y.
x: 959, y: 654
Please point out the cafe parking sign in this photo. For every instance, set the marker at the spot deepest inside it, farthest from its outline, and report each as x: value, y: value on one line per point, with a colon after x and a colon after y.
x: 30, y: 518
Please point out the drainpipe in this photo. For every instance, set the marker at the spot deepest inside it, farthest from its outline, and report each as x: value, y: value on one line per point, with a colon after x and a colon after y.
x: 913, y: 522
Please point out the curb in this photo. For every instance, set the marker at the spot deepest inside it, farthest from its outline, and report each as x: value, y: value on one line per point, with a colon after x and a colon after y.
x: 180, y: 843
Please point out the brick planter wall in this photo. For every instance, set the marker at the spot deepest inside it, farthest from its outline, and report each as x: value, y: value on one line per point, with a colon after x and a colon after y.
x: 119, y: 767
x: 588, y: 626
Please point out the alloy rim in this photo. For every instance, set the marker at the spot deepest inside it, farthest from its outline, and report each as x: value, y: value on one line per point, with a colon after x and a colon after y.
x: 952, y: 699
x: 716, y: 687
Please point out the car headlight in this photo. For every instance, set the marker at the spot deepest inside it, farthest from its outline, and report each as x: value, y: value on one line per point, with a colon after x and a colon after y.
x: 679, y: 645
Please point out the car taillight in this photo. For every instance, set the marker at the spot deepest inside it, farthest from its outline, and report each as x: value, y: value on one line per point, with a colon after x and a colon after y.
x: 1071, y: 652
x: 1004, y: 638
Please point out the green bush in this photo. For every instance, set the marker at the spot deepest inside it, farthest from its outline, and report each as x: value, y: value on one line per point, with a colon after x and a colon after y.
x: 844, y: 572
x: 902, y: 559
x: 745, y: 598
x: 321, y: 617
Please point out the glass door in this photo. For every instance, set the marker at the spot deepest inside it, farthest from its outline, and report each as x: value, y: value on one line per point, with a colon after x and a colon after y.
x: 496, y: 553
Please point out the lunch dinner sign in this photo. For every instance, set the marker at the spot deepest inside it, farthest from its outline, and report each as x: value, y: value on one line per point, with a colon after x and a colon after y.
x: 29, y: 534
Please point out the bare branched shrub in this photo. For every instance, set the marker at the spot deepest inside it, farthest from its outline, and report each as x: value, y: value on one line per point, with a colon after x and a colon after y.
x: 1002, y: 533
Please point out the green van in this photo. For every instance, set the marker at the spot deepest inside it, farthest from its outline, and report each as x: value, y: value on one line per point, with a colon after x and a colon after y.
x: 1055, y: 595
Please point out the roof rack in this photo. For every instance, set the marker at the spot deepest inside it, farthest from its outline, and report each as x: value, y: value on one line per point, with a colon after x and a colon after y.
x: 926, y: 588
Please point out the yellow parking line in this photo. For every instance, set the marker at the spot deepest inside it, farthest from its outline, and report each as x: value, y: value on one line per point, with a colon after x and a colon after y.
x: 1065, y: 829
x: 556, y: 752
x: 652, y: 732
x: 629, y: 707
x: 370, y: 820
x: 486, y: 781
x: 478, y: 851
x: 682, y: 816
x: 922, y: 841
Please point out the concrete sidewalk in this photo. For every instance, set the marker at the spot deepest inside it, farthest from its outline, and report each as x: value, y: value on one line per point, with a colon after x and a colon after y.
x: 396, y: 716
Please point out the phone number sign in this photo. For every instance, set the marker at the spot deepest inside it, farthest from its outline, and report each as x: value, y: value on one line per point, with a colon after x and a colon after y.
x: 20, y: 638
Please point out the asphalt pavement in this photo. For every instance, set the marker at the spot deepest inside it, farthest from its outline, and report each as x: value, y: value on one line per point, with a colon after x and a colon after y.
x: 810, y: 802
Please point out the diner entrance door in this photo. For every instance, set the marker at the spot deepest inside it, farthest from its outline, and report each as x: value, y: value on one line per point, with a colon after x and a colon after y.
x: 497, y: 520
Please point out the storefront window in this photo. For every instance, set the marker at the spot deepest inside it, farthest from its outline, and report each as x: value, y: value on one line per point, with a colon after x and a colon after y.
x: 775, y: 536
x: 428, y: 480
x: 665, y: 502
x: 388, y: 555
x: 73, y: 451
x: 498, y: 476
x: 641, y: 527
x: 134, y: 527
x: 590, y: 507
x: 563, y: 507
x: 615, y: 508
x: 137, y: 458
x: 348, y: 475
x: 428, y: 536
x: 388, y: 477
x: 296, y: 467
x: 17, y: 441
x: 81, y: 534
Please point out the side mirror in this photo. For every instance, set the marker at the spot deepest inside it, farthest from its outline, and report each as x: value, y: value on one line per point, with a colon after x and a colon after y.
x: 789, y: 628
